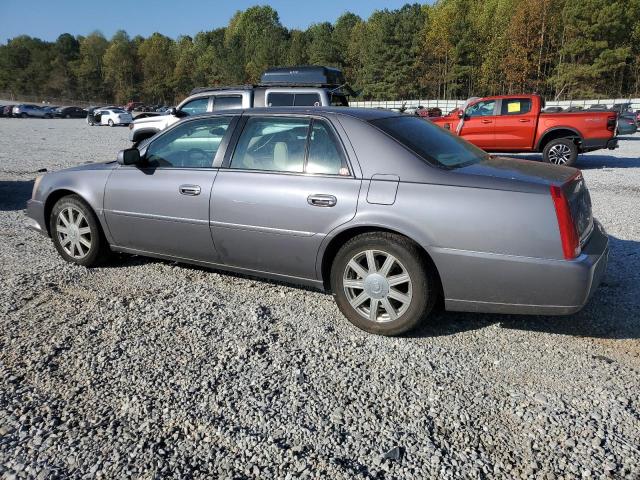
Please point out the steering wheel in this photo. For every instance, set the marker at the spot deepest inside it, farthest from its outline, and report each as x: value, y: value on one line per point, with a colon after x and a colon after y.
x: 197, y: 156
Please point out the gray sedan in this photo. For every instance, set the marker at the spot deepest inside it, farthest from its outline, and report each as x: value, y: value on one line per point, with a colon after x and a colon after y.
x: 386, y: 211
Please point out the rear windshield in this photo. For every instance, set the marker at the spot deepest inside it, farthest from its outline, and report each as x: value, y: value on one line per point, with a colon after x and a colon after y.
x: 435, y: 144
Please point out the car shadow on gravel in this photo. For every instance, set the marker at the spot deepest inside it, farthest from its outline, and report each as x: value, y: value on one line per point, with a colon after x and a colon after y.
x: 14, y: 194
x: 613, y: 312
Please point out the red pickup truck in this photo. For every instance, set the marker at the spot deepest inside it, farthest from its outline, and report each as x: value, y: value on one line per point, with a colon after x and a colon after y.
x: 515, y: 123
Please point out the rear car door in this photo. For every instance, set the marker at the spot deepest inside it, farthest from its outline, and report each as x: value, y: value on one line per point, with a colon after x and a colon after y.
x: 286, y: 185
x: 479, y: 124
x: 515, y: 126
x: 162, y: 205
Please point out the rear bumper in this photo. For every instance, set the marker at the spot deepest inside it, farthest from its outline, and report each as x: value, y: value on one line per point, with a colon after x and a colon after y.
x: 590, y: 144
x: 36, y: 220
x: 489, y: 283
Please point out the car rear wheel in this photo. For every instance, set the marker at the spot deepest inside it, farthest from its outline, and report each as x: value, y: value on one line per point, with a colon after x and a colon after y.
x: 23, y: 115
x: 67, y: 116
x: 382, y: 284
x: 560, y: 151
x: 76, y: 232
x: 110, y: 122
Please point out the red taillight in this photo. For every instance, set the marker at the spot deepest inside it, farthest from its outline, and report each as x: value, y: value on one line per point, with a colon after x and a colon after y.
x: 568, y: 233
x: 611, y: 123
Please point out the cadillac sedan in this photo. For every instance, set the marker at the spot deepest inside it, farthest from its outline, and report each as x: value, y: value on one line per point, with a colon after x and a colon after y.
x: 387, y: 212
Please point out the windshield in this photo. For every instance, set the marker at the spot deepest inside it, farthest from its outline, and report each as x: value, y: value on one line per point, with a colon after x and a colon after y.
x: 435, y: 144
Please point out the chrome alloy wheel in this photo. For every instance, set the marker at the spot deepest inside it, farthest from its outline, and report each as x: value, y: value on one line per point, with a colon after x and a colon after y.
x: 377, y: 286
x: 73, y: 232
x: 559, y: 154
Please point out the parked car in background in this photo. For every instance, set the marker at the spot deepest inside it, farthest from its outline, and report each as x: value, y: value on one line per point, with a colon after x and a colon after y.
x: 627, y: 125
x: 7, y: 111
x: 109, y: 116
x: 70, y: 112
x: 303, y: 86
x: 131, y: 106
x: 552, y: 109
x: 515, y: 123
x: 2, y: 110
x: 598, y: 106
x: 26, y: 110
x: 638, y: 117
x: 387, y: 211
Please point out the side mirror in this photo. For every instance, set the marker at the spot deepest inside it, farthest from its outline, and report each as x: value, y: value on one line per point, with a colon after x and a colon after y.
x: 130, y: 156
x: 177, y: 113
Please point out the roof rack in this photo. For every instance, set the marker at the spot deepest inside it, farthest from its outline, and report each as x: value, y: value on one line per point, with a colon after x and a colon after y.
x: 302, y: 75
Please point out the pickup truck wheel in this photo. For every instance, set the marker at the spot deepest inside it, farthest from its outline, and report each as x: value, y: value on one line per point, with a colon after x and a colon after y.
x: 381, y: 284
x: 560, y: 151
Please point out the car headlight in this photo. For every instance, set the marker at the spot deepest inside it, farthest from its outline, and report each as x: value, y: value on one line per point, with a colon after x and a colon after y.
x: 36, y: 184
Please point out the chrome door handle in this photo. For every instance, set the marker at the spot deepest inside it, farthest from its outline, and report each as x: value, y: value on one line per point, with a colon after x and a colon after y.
x: 321, y: 200
x: 487, y: 121
x: 189, y: 190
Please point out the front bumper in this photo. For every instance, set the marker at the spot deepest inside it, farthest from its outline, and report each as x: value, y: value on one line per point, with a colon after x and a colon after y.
x: 35, y: 217
x: 490, y: 283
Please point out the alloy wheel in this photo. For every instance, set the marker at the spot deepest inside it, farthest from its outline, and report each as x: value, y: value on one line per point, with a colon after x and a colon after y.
x: 559, y: 154
x: 73, y: 232
x: 377, y: 286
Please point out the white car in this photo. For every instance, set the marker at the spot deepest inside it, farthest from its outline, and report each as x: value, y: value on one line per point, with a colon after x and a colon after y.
x: 110, y: 116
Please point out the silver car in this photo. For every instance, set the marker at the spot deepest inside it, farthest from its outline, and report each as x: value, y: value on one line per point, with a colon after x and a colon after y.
x: 388, y: 212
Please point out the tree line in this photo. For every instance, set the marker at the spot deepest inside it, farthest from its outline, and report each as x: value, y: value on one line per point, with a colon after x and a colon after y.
x: 562, y: 49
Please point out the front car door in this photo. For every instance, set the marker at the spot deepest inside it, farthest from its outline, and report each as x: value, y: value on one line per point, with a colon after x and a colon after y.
x: 515, y: 126
x: 479, y: 124
x: 162, y: 205
x: 287, y: 185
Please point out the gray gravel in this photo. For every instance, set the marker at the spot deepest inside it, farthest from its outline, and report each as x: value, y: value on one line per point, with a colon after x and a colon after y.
x: 151, y: 369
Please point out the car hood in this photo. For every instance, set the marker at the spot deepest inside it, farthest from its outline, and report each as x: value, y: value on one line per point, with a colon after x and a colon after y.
x: 518, y: 170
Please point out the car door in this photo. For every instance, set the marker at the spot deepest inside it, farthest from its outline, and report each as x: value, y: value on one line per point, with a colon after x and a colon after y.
x: 479, y: 124
x: 162, y: 205
x: 516, y: 125
x: 287, y: 184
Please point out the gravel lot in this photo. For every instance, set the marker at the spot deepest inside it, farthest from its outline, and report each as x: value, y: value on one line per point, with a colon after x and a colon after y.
x: 151, y: 369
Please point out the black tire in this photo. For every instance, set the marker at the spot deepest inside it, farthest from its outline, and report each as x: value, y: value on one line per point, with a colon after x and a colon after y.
x: 560, y: 151
x: 67, y: 116
x: 23, y: 115
x: 99, y: 248
x: 423, y: 285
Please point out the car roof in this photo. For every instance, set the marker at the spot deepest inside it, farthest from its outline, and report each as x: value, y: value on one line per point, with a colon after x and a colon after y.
x: 361, y: 113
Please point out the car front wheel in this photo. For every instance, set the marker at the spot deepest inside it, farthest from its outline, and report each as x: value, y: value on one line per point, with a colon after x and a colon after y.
x: 110, y: 122
x: 76, y: 232
x: 382, y: 283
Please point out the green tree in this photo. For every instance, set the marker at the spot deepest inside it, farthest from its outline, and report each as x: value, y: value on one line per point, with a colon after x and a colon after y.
x: 257, y: 39
x: 157, y: 58
x: 119, y: 67
x: 88, y: 67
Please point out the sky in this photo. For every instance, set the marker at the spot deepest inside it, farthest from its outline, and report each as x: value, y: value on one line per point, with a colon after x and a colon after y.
x: 46, y: 19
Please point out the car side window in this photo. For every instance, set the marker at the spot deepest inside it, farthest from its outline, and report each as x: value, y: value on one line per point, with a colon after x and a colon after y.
x: 189, y: 145
x: 196, y: 106
x: 272, y: 144
x: 515, y: 106
x: 324, y: 154
x: 481, y: 109
x: 307, y: 100
x: 227, y: 103
x: 277, y: 99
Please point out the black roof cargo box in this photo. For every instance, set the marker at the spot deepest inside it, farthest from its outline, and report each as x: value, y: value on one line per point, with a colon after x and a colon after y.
x: 303, y: 75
